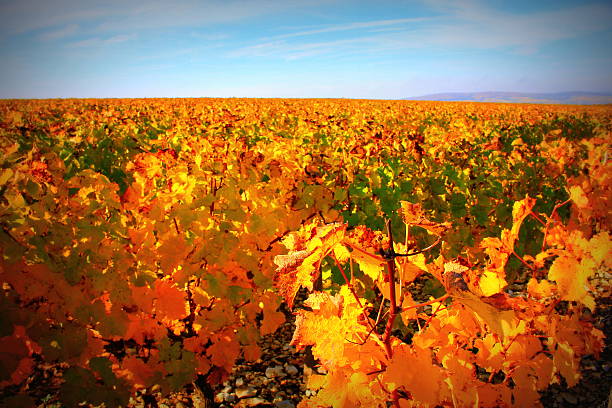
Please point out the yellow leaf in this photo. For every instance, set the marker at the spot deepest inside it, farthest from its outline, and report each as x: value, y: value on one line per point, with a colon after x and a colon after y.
x: 341, y: 253
x: 5, y: 175
x: 368, y: 265
x: 301, y: 266
x: 601, y: 249
x: 411, y: 268
x: 578, y: 197
x: 572, y: 278
x: 491, y: 283
x: 504, y: 323
x: 542, y: 289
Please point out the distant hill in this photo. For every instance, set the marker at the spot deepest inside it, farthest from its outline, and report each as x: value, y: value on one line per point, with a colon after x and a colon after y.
x: 574, y: 98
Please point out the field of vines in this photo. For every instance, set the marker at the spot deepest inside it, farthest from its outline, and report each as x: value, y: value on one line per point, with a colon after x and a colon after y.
x: 150, y: 243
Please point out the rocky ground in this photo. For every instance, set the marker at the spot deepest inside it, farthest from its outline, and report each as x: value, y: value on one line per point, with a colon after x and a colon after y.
x: 277, y: 379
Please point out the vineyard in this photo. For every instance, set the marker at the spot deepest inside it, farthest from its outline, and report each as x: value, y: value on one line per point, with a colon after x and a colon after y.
x: 450, y: 254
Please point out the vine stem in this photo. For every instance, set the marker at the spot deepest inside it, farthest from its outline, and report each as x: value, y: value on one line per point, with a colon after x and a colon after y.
x: 392, y: 300
x: 395, y: 399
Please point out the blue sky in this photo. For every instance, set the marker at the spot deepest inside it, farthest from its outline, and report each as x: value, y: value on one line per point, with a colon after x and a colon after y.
x: 293, y: 48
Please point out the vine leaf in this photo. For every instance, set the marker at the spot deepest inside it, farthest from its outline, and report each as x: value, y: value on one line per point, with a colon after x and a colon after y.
x: 333, y: 319
x: 413, y: 214
x: 15, y: 361
x: 504, y: 322
x: 138, y: 372
x: 413, y: 370
x: 171, y: 303
x: 578, y: 196
x: 272, y: 317
x: 307, y: 248
x: 578, y: 263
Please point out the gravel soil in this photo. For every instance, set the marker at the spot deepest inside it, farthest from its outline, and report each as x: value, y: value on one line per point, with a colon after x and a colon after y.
x: 285, y: 391
x: 277, y: 378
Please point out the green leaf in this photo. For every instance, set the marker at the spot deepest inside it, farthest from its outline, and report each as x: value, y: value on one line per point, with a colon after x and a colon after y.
x: 167, y: 351
x: 436, y: 185
x: 181, y: 371
x: 340, y: 194
x: 434, y: 288
x: 406, y: 186
x: 11, y: 250
x: 114, y: 324
x: 79, y: 386
x: 142, y: 278
x: 102, y: 366
x: 480, y: 213
x: 458, y: 205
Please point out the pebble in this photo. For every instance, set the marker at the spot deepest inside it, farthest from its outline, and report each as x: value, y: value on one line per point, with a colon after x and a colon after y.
x: 239, y: 382
x: 253, y: 402
x: 245, y: 392
x: 221, y: 396
x: 571, y: 398
x: 284, y: 404
x: 273, y: 372
x: 291, y: 369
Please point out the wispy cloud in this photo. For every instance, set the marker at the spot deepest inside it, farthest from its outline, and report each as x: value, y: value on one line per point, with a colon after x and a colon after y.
x: 24, y: 16
x: 474, y: 25
x: 113, y: 15
x: 355, y: 26
x: 293, y: 51
x: 59, y: 33
x: 99, y: 42
x: 465, y: 25
x: 363, y: 37
x: 211, y: 36
x: 283, y: 47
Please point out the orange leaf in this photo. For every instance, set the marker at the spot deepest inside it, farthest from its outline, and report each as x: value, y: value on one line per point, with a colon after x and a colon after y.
x: 413, y: 214
x: 272, y: 317
x: 139, y: 372
x: 414, y: 370
x: 542, y: 289
x: 131, y: 198
x: 567, y: 363
x: 171, y: 302
x: 15, y: 358
x: 224, y: 351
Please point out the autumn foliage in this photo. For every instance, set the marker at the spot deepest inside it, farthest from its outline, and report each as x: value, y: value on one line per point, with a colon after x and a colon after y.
x: 146, y: 242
